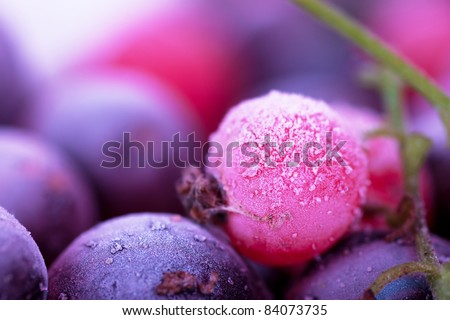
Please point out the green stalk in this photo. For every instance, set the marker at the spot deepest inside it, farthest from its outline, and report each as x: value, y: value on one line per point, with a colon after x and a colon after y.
x: 391, y: 88
x: 375, y: 47
x: 413, y: 151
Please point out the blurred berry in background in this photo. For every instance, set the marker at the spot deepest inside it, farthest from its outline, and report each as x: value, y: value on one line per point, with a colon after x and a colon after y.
x: 15, y: 87
x: 86, y: 113
x: 44, y: 191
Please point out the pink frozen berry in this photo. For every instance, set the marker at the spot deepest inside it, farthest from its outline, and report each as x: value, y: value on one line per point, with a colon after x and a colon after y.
x: 291, y: 178
x: 386, y: 188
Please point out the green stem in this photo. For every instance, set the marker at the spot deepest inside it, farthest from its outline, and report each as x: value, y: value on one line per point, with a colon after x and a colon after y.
x: 375, y: 47
x: 413, y: 151
x: 391, y: 88
x: 426, y: 252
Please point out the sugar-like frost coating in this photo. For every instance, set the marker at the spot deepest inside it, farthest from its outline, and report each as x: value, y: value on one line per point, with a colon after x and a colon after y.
x: 293, y: 205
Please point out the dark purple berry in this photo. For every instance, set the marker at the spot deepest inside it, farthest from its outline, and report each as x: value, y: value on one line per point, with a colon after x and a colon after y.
x: 114, y: 125
x: 151, y: 256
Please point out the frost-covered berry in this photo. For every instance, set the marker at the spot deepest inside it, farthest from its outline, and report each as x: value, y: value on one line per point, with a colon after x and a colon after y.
x: 291, y: 176
x: 152, y: 256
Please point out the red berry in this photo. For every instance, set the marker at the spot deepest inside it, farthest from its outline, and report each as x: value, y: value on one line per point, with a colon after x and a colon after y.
x: 284, y: 213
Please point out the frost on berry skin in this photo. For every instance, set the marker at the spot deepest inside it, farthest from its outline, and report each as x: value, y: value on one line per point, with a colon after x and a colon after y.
x: 347, y: 271
x: 23, y: 274
x: 286, y: 214
x: 44, y: 191
x: 152, y: 256
x: 386, y: 188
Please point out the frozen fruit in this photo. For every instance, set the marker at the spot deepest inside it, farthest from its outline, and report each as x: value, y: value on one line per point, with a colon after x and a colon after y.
x: 23, y: 274
x: 44, y: 191
x: 119, y: 126
x: 151, y: 256
x: 348, y: 270
x: 291, y: 174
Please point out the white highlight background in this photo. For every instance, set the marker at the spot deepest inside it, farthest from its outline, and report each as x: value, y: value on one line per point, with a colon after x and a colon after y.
x: 51, y: 34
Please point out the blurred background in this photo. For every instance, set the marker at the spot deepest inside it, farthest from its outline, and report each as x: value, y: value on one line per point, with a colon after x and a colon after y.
x: 52, y: 34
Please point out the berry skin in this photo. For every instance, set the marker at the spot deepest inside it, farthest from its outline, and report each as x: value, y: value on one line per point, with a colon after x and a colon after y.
x: 280, y: 213
x: 44, y: 191
x: 23, y: 274
x: 89, y: 111
x: 152, y: 256
x: 348, y: 270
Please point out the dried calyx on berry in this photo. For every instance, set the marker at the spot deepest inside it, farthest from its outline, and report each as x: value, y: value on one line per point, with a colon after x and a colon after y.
x: 202, y: 196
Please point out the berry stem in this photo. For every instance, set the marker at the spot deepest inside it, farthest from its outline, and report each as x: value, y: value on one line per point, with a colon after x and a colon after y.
x: 366, y: 40
x: 391, y: 88
x: 413, y: 151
